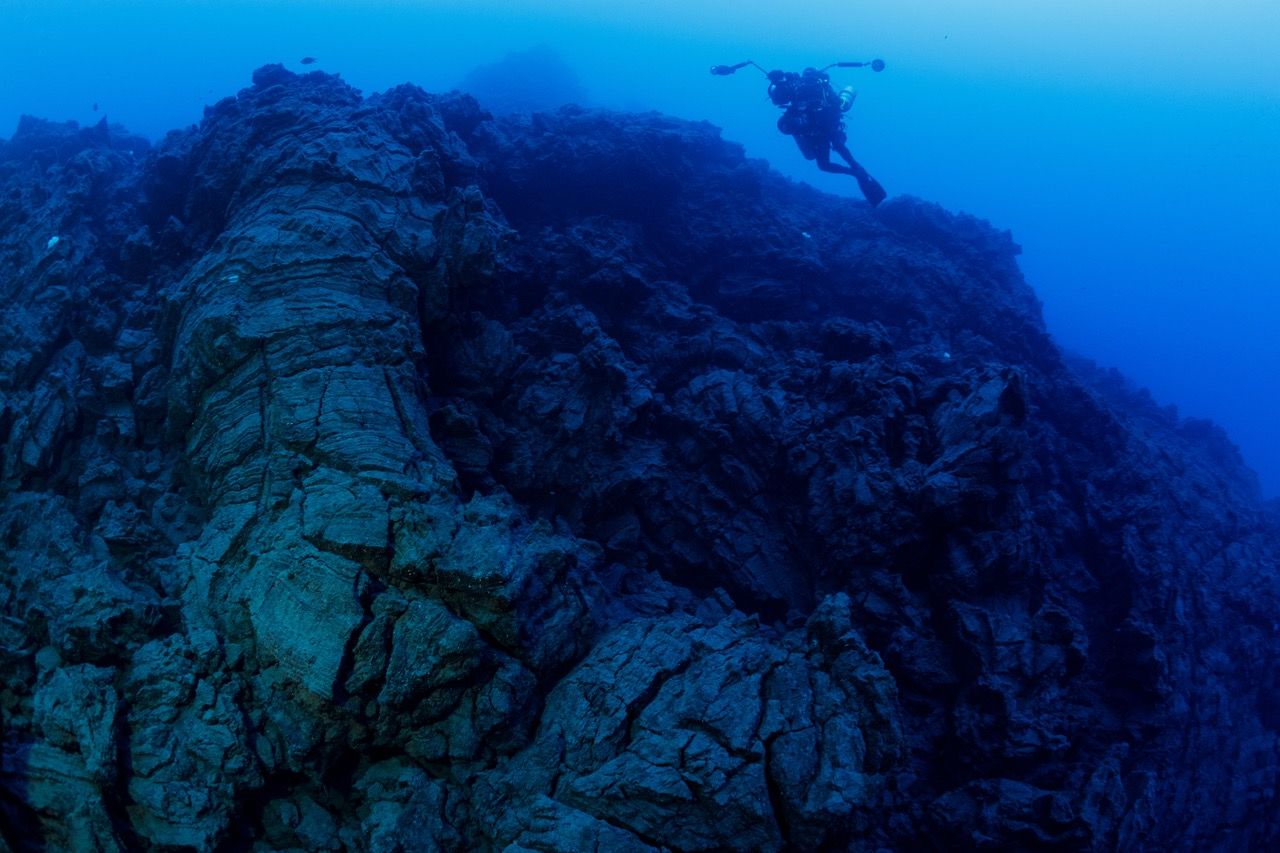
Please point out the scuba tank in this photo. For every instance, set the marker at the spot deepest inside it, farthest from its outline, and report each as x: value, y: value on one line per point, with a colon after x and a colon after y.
x: 847, y: 96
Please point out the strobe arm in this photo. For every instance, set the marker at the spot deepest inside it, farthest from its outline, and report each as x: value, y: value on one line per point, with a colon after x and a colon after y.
x: 875, y: 65
x: 726, y: 70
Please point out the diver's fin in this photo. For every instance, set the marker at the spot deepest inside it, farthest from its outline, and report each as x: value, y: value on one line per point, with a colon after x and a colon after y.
x: 871, y: 189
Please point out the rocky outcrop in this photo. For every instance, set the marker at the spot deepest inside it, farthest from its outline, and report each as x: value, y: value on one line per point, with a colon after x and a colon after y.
x: 525, y: 81
x: 378, y: 475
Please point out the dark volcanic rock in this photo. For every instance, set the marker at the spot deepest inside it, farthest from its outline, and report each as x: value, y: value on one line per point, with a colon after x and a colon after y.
x: 375, y: 475
x: 525, y: 81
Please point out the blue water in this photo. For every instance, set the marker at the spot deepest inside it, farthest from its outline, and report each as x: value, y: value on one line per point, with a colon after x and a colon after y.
x: 1130, y: 146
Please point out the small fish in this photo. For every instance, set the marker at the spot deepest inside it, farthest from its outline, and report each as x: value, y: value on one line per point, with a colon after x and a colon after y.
x: 807, y: 235
x: 95, y: 106
x: 53, y: 241
x: 308, y: 60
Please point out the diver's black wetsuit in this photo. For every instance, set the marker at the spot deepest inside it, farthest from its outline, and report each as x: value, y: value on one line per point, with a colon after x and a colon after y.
x: 814, y: 117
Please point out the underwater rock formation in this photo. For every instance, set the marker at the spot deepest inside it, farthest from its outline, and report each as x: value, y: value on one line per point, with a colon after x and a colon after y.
x: 525, y: 81
x: 377, y: 475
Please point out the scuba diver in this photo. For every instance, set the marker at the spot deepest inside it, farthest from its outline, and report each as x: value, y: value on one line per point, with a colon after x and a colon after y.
x: 814, y: 115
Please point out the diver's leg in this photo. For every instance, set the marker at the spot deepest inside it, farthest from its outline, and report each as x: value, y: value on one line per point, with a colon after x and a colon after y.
x: 823, y: 155
x: 870, y: 187
x: 843, y: 150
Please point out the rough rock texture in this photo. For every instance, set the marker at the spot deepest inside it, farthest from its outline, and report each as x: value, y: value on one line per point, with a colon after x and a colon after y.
x: 375, y: 475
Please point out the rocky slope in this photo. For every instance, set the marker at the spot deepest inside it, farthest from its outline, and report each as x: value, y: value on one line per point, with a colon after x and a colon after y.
x: 375, y: 475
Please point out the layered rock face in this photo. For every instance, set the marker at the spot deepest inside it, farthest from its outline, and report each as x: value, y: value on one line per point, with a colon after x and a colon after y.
x: 375, y: 475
